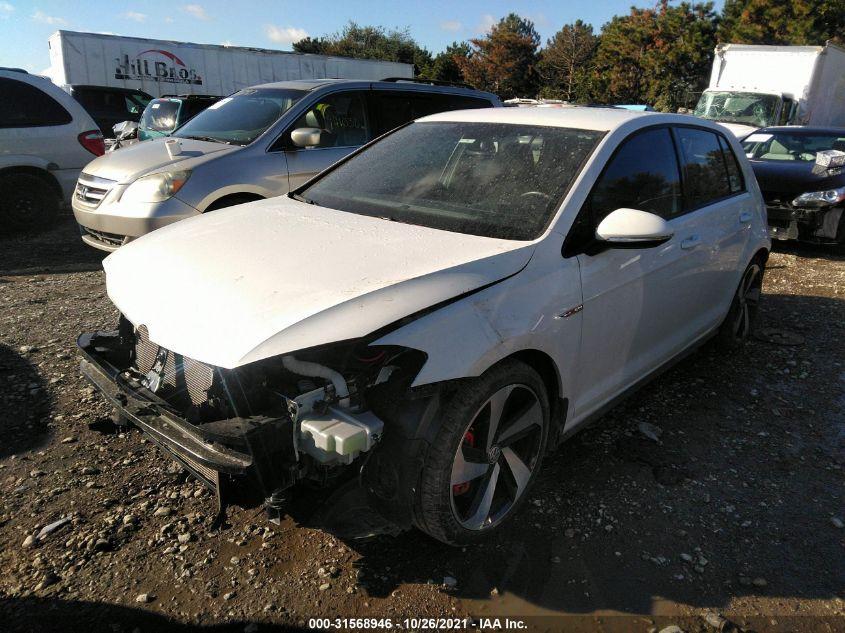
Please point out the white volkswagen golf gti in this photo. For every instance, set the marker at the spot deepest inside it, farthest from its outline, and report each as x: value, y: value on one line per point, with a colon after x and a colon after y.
x: 421, y: 323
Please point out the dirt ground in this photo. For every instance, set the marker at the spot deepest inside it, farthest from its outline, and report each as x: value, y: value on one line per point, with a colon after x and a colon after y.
x: 736, y: 509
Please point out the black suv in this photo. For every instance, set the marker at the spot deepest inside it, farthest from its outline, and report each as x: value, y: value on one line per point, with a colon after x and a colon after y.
x: 109, y: 106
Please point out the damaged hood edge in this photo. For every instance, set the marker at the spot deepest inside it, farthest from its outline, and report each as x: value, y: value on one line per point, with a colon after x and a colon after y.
x: 276, y: 276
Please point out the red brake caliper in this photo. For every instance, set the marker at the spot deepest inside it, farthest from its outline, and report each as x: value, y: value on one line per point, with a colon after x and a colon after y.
x: 459, y: 489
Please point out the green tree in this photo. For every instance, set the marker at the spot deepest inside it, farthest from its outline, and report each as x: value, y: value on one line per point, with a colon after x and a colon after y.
x: 659, y: 56
x: 445, y: 66
x: 565, y: 64
x: 369, y: 42
x: 504, y: 61
x: 795, y: 22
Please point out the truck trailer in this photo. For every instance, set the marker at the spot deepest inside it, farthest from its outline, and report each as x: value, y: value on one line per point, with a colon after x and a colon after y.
x: 161, y: 67
x: 755, y: 86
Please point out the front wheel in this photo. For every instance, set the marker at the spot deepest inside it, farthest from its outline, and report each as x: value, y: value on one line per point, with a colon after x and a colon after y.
x: 742, y: 315
x: 486, y: 455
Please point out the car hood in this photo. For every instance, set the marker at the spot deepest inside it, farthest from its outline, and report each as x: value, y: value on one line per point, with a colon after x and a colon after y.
x: 790, y: 178
x: 128, y: 163
x: 277, y: 275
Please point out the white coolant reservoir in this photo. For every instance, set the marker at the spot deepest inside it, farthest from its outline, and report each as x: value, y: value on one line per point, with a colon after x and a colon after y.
x: 337, y: 435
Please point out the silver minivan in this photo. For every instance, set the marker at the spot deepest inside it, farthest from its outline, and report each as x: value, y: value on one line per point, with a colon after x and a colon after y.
x: 257, y: 143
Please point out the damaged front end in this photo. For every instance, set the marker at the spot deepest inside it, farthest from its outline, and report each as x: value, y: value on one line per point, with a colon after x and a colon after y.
x: 318, y: 416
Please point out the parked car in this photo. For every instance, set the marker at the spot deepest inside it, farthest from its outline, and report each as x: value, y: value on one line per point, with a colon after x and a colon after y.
x: 109, y: 106
x: 801, y: 171
x: 430, y: 316
x: 162, y: 116
x: 45, y: 139
x: 258, y: 143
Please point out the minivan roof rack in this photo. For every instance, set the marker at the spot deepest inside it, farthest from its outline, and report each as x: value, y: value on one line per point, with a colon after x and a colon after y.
x: 186, y: 96
x: 14, y: 70
x: 431, y: 82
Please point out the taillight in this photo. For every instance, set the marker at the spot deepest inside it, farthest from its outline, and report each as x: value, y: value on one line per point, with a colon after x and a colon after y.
x: 93, y: 142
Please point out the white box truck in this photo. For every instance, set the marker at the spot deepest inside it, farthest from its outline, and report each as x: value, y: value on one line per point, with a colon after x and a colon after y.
x: 756, y: 86
x: 161, y: 67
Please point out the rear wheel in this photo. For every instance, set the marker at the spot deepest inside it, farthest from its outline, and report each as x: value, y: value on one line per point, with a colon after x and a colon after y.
x: 27, y: 202
x: 742, y: 316
x: 486, y: 455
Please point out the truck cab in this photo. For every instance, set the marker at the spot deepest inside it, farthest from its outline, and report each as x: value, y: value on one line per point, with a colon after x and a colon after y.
x: 744, y: 111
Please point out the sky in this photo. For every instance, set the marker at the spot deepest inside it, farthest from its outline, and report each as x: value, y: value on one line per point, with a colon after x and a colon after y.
x: 25, y: 25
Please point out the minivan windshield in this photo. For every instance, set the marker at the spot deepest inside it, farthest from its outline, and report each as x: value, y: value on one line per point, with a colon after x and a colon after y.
x: 242, y: 117
x: 490, y: 179
x: 160, y: 116
x: 749, y: 108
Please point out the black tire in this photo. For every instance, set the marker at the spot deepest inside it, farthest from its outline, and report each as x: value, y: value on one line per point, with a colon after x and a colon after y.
x: 27, y: 203
x: 230, y: 201
x: 440, y: 509
x: 739, y: 324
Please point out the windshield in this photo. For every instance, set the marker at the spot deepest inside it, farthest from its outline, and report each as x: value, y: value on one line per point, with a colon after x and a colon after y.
x: 489, y: 179
x: 160, y: 116
x: 789, y: 146
x: 738, y: 107
x: 241, y: 118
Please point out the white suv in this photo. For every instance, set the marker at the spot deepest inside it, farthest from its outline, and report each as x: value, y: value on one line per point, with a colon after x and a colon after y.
x: 428, y: 317
x: 46, y: 138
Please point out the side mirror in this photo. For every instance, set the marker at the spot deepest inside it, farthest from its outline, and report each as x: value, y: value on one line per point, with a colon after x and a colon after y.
x: 306, y: 136
x: 631, y: 228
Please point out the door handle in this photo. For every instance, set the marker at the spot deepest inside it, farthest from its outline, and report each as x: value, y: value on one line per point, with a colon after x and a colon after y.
x: 745, y: 217
x: 691, y: 242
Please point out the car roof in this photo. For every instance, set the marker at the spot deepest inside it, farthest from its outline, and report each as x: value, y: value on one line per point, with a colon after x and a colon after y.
x: 578, y: 117
x: 801, y: 129
x: 395, y: 84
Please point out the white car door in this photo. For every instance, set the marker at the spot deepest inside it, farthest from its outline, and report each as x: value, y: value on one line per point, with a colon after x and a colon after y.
x: 638, y: 303
x: 721, y: 212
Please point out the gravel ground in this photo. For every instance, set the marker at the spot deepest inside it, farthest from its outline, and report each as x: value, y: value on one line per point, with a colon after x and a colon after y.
x: 716, y: 489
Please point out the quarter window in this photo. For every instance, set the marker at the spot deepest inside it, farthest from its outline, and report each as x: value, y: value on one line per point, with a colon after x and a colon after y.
x: 705, y: 171
x: 23, y: 105
x: 643, y: 175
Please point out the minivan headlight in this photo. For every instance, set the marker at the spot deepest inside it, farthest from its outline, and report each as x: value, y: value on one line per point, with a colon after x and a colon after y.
x: 820, y: 198
x: 156, y: 187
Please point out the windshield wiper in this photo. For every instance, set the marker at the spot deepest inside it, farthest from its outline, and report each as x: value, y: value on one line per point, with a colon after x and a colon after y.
x: 301, y: 198
x: 210, y: 139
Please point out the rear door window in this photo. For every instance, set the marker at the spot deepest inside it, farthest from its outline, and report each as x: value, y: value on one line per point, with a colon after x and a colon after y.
x: 392, y: 109
x: 643, y: 175
x: 705, y: 171
x: 23, y: 105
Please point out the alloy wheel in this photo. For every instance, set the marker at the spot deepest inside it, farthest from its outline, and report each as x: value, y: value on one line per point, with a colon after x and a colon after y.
x: 497, y: 456
x: 748, y: 300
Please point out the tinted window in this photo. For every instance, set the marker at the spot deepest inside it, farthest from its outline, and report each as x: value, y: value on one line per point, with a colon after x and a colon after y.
x: 114, y: 102
x: 342, y: 118
x: 643, y: 174
x: 705, y: 174
x: 490, y: 179
x: 392, y: 109
x: 23, y: 105
x: 734, y: 172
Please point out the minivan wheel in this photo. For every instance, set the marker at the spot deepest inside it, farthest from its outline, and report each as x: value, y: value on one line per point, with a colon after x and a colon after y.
x: 486, y: 454
x: 742, y: 316
x: 27, y: 203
